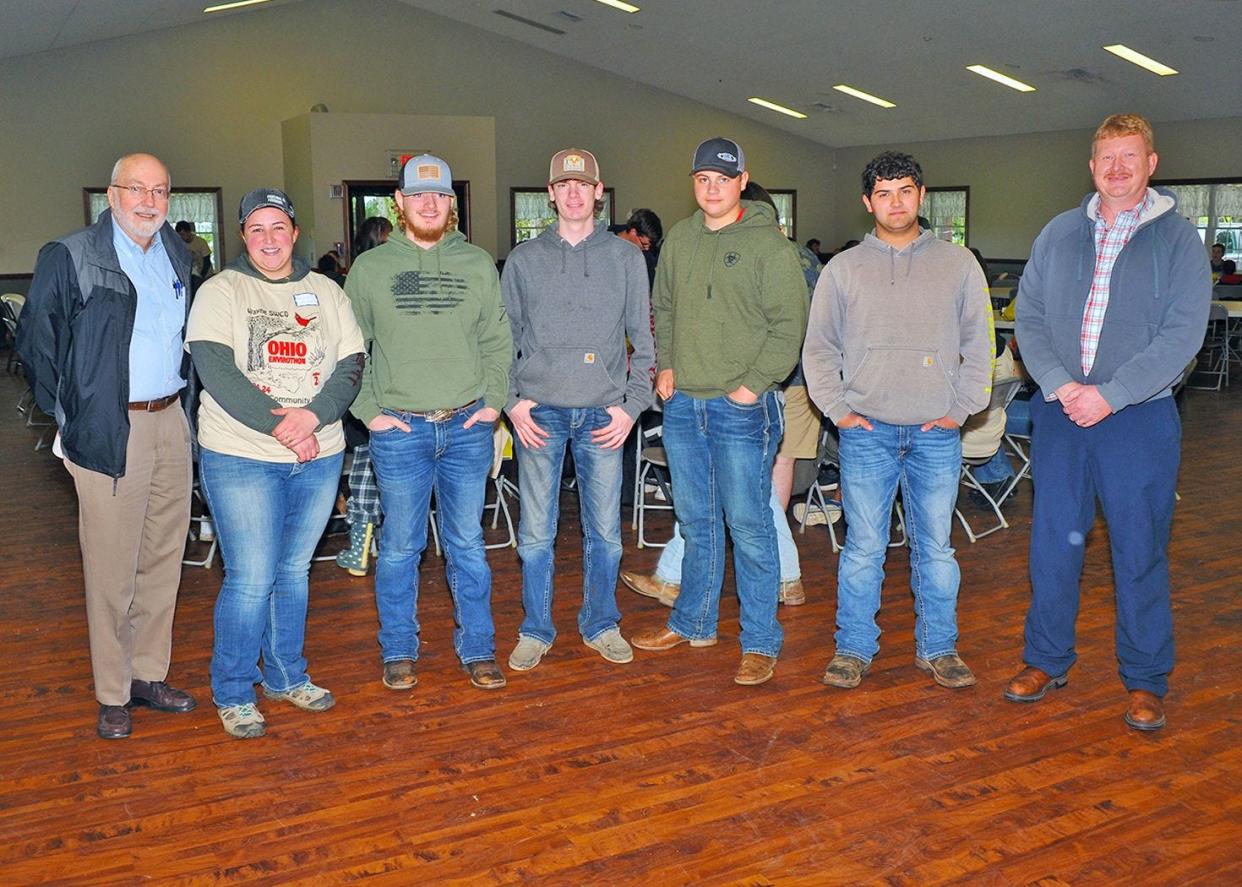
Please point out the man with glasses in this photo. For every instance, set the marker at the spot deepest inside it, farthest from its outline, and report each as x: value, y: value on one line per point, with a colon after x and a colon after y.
x: 121, y: 287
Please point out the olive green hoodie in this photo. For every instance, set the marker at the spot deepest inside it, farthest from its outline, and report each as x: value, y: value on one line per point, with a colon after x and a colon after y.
x: 434, y: 325
x: 730, y: 305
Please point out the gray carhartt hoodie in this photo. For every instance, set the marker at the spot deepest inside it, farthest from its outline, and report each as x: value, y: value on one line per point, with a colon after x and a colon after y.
x: 571, y: 309
x: 903, y: 336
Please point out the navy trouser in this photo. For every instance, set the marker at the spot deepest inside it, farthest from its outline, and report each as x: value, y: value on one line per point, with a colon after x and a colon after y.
x: 1129, y: 461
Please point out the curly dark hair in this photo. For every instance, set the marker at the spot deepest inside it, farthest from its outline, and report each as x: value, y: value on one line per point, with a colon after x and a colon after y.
x: 891, y: 165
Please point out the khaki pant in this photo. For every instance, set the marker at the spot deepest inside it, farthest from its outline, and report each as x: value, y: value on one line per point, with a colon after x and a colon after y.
x: 133, y: 538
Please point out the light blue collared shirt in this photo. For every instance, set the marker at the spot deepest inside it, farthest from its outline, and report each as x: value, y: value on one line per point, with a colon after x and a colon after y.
x: 156, y: 346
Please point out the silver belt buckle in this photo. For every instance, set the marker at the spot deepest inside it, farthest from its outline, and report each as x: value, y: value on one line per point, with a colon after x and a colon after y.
x: 438, y: 415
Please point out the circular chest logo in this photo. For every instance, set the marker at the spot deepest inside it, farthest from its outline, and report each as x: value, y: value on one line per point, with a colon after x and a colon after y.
x: 731, y: 259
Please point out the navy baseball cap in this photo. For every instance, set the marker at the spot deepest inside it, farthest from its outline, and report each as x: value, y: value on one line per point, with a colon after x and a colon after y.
x: 261, y: 197
x: 720, y: 154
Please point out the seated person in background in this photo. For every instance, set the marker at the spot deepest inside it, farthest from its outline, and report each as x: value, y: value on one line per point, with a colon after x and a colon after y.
x: 1220, y: 265
x: 644, y: 230
x: 983, y: 436
x: 330, y: 267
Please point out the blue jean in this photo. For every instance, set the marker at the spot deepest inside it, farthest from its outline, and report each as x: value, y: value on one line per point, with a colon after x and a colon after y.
x: 599, y: 502
x: 269, y: 517
x: 453, y: 461
x: 927, y: 464
x: 669, y: 567
x: 1130, y: 461
x: 999, y: 468
x: 720, y: 457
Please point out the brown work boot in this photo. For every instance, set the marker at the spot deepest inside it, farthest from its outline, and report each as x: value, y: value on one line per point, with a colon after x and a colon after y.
x: 485, y: 674
x: 650, y: 586
x: 948, y: 670
x: 755, y: 668
x: 399, y: 674
x: 663, y: 638
x: 845, y: 671
x: 1030, y: 685
x: 1146, y: 711
x: 792, y: 593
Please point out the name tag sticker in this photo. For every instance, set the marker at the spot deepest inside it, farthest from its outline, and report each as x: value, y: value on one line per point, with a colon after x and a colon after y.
x: 589, y: 357
x: 305, y: 300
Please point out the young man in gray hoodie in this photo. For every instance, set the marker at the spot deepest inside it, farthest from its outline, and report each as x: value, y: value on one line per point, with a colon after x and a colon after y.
x: 573, y: 296
x: 898, y: 353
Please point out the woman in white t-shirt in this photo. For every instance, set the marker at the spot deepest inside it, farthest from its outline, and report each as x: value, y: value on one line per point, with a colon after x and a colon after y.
x: 280, y: 358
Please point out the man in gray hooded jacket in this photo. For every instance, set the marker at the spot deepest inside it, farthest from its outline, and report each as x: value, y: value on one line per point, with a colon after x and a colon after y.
x: 898, y: 353
x: 573, y: 296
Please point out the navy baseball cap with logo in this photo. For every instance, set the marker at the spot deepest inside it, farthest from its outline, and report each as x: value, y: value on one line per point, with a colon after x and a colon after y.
x: 426, y: 174
x: 262, y: 197
x: 720, y: 154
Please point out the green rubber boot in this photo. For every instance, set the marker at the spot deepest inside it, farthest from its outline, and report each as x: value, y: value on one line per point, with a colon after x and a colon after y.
x: 357, y: 557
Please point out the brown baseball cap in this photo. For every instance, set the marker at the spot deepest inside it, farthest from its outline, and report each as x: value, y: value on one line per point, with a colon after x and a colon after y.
x: 573, y: 163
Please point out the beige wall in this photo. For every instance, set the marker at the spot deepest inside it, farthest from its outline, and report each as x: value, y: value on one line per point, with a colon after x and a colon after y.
x: 1017, y: 183
x: 356, y: 146
x: 222, y: 101
x: 211, y: 99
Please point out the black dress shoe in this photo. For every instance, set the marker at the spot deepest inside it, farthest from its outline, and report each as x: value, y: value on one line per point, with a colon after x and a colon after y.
x: 114, y: 722
x: 160, y: 696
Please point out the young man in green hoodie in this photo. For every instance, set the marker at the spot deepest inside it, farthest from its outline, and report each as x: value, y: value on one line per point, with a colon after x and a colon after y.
x: 730, y: 306
x: 430, y: 311
x: 574, y: 294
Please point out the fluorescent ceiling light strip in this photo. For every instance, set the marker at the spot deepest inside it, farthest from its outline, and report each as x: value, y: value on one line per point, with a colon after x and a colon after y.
x: 221, y: 7
x: 865, y: 96
x: 1137, y: 58
x: 618, y: 4
x: 985, y: 71
x: 779, y: 109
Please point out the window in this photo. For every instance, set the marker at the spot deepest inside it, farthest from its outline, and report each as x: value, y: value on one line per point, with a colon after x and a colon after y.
x: 1215, y: 208
x: 374, y: 197
x: 786, y: 200
x: 202, y: 206
x: 948, y: 210
x: 531, y: 213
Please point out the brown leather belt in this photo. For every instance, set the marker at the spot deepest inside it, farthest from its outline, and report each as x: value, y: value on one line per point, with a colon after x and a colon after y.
x: 154, y: 406
x: 437, y: 415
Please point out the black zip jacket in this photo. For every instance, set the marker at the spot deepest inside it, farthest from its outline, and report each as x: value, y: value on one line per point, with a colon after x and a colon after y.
x: 73, y: 338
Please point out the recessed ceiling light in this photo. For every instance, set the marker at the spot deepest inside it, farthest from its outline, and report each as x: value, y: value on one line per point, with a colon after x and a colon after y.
x: 220, y: 7
x: 865, y: 96
x: 779, y: 109
x: 1137, y: 58
x: 618, y: 4
x: 985, y: 71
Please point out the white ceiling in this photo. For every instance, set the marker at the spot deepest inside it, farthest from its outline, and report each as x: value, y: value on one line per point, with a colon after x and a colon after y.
x: 912, y: 52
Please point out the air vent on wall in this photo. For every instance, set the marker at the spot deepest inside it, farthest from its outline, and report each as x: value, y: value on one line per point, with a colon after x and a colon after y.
x: 525, y: 21
x: 1079, y: 75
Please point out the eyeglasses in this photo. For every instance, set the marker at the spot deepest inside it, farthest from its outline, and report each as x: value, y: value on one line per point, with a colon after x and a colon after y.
x: 137, y: 191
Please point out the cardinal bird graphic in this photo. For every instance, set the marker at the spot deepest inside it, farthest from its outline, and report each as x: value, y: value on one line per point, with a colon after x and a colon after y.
x: 302, y: 321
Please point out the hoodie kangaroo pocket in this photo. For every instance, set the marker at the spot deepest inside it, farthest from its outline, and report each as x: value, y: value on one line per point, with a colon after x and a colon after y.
x: 899, y: 384
x: 568, y: 376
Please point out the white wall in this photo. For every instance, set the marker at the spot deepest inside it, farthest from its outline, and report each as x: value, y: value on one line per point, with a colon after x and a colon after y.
x: 210, y: 100
x: 1017, y: 183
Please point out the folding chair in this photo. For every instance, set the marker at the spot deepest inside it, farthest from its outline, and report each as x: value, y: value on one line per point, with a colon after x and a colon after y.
x: 651, y: 469
x: 1003, y: 393
x: 1215, y: 350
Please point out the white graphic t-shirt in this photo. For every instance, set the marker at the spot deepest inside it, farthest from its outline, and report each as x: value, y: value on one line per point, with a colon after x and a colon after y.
x: 286, y: 338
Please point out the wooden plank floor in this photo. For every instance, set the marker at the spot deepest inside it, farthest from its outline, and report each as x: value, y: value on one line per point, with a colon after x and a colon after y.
x: 657, y: 772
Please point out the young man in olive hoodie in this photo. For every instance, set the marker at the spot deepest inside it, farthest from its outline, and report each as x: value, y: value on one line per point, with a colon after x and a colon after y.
x: 898, y: 353
x: 431, y: 315
x: 573, y: 295
x: 730, y: 306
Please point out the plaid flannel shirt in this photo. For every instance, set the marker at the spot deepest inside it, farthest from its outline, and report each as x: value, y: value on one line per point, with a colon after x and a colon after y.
x: 1109, y: 242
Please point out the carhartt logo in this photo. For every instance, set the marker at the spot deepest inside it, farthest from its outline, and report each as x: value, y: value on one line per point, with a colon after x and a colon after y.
x: 589, y: 357
x: 726, y: 156
x: 731, y: 259
x: 929, y: 361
